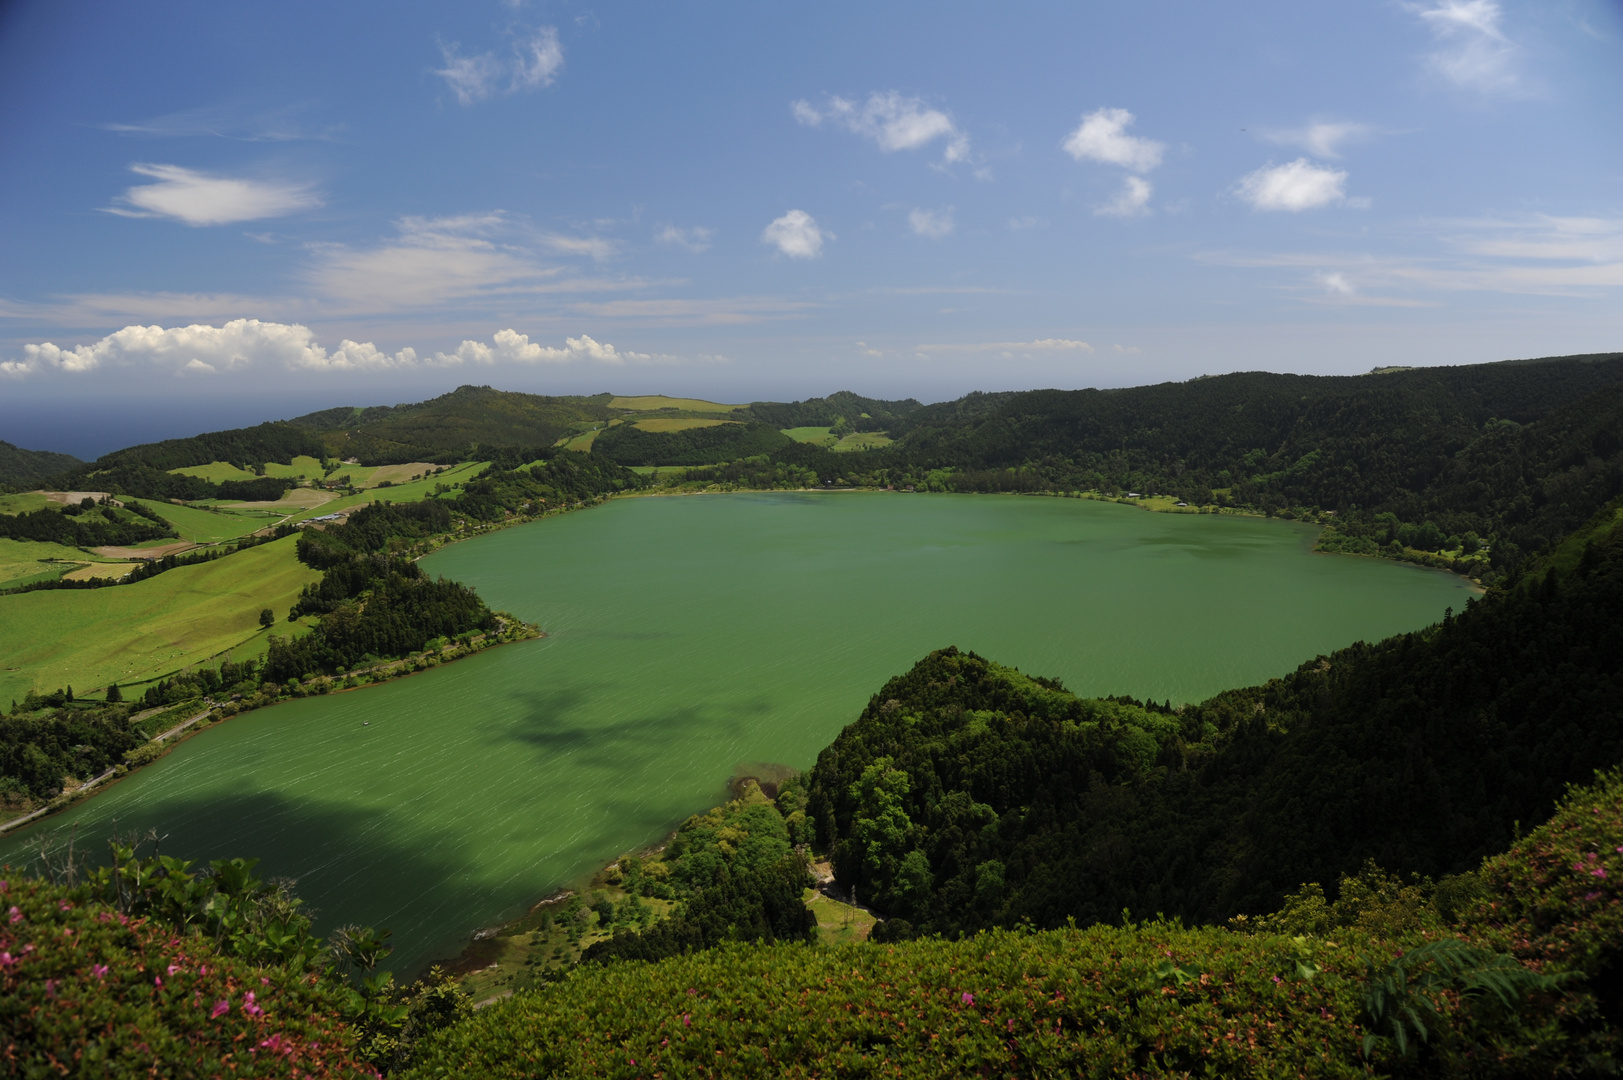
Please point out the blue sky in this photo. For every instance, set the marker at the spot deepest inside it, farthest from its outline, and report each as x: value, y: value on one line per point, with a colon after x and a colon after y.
x: 281, y: 206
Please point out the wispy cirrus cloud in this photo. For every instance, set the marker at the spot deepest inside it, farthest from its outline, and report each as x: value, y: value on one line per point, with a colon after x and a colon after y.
x: 199, y: 198
x: 695, y: 238
x: 1579, y: 257
x: 533, y: 62
x: 1010, y: 348
x: 933, y: 224
x: 1321, y: 138
x: 891, y: 121
x: 1474, y: 52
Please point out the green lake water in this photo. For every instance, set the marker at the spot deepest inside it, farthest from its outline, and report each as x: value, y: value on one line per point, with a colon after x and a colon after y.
x: 690, y: 636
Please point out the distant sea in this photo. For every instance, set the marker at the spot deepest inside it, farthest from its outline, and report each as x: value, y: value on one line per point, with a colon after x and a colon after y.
x: 90, y: 428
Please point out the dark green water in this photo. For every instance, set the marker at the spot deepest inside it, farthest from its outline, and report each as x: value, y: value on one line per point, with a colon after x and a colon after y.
x: 691, y: 635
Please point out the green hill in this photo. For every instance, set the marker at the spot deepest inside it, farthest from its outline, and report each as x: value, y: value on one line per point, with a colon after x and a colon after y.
x: 21, y: 468
x: 450, y: 426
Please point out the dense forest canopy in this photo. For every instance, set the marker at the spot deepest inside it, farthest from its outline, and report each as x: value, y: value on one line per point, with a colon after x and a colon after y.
x: 968, y: 795
x: 21, y: 468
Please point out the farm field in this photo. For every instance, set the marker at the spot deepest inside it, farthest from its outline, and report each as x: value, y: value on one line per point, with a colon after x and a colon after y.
x: 821, y: 435
x: 651, y: 402
x: 146, y: 629
x: 303, y: 466
x: 863, y: 440
x: 675, y: 423
x: 21, y: 561
x: 410, y: 491
x: 23, y: 503
x: 214, y: 472
x: 113, y: 570
x: 582, y: 443
x: 294, y: 500
x: 395, y: 474
x: 207, y: 526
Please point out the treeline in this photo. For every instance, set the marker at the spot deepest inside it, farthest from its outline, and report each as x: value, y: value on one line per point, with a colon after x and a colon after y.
x: 626, y: 444
x: 247, y: 448
x: 21, y: 468
x: 89, y: 525
x: 43, y: 742
x: 860, y: 413
x: 968, y: 795
x: 736, y: 875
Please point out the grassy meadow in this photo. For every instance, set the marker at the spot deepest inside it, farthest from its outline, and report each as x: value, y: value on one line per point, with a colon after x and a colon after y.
x: 582, y: 443
x: 210, y: 525
x: 23, y: 562
x: 411, y: 491
x: 214, y: 472
x: 24, y: 503
x: 820, y: 435
x: 675, y: 423
x: 302, y: 467
x: 146, y: 629
x: 863, y: 440
x: 653, y: 402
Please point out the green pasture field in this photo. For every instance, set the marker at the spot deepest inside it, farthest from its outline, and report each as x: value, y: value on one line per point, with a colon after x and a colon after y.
x: 651, y: 402
x: 673, y: 423
x: 863, y: 440
x: 412, y: 491
x: 583, y: 443
x: 21, y: 561
x: 22, y: 504
x: 305, y: 466
x: 837, y: 923
x: 131, y: 633
x: 810, y: 434
x: 659, y: 472
x: 214, y: 472
x: 209, y: 525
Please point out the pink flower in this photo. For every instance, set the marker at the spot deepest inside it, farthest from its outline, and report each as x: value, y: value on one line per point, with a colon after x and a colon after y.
x: 16, y: 915
x: 1599, y: 871
x: 1592, y: 896
x: 157, y: 980
x: 1276, y: 980
x: 173, y: 968
x: 264, y: 981
x: 99, y: 971
x: 6, y: 959
x: 967, y: 998
x: 50, y: 988
x: 687, y: 1019
x: 249, y: 1007
x: 221, y: 1007
x: 65, y: 906
x: 5, y: 886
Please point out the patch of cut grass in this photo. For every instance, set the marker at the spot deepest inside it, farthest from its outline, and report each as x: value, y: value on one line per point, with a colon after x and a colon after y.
x: 304, y: 465
x: 135, y: 632
x: 673, y: 423
x: 23, y: 562
x: 395, y: 474
x: 101, y: 570
x: 208, y: 525
x: 214, y: 472
x: 863, y: 440
x: 821, y: 435
x: 582, y: 443
x: 23, y: 503
x: 652, y: 402
x: 837, y: 923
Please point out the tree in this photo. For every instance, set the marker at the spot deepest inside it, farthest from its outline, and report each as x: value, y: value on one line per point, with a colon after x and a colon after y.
x: 267, y: 618
x: 114, y: 694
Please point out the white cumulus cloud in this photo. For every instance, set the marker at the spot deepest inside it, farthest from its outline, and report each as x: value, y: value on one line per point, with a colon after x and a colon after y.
x: 1102, y: 136
x: 1475, y: 52
x: 797, y: 235
x: 891, y: 121
x: 535, y: 62
x: 241, y: 345
x: 1132, y: 201
x: 932, y: 223
x: 198, y: 198
x: 1295, y: 186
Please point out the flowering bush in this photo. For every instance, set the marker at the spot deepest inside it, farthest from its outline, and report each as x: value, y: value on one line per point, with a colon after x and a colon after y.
x: 1149, y: 1000
x: 86, y: 990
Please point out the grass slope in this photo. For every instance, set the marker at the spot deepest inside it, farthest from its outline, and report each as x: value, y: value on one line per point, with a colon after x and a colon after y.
x: 673, y: 423
x: 822, y: 436
x: 653, y: 402
x: 140, y: 631
x: 23, y: 562
x: 215, y: 471
x: 208, y: 526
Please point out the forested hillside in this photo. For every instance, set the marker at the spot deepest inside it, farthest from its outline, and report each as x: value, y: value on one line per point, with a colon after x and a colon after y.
x: 21, y: 468
x: 447, y: 428
x: 968, y: 795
